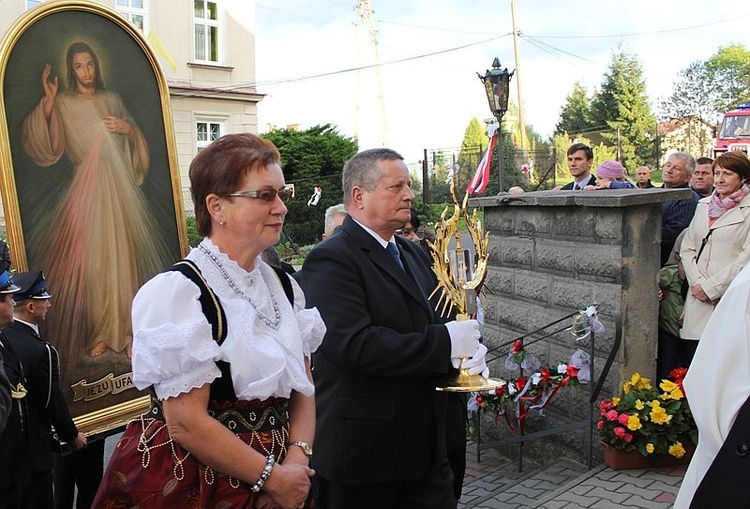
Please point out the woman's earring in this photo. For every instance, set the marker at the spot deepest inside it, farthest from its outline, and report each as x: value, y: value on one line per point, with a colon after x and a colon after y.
x: 222, y: 223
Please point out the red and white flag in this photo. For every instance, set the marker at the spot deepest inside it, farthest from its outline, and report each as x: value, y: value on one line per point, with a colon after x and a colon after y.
x: 482, y: 177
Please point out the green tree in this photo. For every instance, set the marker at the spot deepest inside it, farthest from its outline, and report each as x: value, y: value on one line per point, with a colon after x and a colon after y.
x: 728, y: 73
x: 314, y: 152
x: 311, y: 158
x: 575, y: 115
x: 691, y: 95
x: 622, y: 104
x: 472, y: 148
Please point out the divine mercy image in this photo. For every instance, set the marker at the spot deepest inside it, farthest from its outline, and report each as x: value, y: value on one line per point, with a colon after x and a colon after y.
x: 98, y: 244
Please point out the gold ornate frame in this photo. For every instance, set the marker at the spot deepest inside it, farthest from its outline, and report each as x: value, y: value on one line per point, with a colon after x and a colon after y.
x: 97, y: 23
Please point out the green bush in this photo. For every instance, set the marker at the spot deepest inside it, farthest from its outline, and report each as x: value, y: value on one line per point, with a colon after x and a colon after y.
x: 192, y: 232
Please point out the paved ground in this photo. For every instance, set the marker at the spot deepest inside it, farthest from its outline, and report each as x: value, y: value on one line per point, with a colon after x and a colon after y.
x: 495, y: 483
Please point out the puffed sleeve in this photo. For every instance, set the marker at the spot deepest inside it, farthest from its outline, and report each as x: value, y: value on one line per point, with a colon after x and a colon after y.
x: 173, y: 348
x: 311, y: 325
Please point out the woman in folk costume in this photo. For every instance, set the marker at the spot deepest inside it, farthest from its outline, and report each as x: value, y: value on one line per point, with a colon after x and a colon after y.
x: 224, y: 342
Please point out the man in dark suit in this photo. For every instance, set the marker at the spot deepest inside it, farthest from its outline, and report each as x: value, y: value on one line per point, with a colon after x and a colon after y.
x: 45, y: 403
x: 676, y: 215
x: 381, y: 427
x: 580, y: 159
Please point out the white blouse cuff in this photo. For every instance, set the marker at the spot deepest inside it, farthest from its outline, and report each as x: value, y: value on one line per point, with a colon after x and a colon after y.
x: 312, y: 329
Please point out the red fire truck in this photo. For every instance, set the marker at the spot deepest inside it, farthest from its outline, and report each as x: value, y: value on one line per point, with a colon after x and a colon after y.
x: 734, y: 133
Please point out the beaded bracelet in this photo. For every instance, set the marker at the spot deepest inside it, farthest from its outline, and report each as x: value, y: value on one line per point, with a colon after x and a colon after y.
x: 270, y: 462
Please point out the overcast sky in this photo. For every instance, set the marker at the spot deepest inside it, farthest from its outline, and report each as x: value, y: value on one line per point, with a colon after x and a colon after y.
x: 431, y: 50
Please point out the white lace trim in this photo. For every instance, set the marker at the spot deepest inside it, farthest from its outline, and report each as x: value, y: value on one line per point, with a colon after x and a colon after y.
x: 175, y: 351
x: 186, y: 342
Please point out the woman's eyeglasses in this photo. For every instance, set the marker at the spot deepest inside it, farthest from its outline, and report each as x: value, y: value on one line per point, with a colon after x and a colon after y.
x: 269, y: 194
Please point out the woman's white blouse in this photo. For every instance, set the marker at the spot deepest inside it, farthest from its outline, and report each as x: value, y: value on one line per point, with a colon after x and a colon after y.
x: 173, y: 348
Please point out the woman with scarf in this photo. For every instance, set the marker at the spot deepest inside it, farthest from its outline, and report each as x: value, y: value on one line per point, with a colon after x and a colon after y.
x: 716, y: 246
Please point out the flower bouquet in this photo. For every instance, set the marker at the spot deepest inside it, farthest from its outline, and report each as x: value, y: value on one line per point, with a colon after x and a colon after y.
x: 655, y: 421
x: 518, y: 396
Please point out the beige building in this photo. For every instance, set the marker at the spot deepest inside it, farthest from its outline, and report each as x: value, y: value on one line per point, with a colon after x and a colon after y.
x: 207, y: 51
x: 690, y: 134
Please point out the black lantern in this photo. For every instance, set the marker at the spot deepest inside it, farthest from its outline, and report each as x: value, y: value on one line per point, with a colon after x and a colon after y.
x: 496, y: 86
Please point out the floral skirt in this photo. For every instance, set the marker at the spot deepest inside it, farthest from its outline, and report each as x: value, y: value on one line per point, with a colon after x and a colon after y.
x: 150, y: 470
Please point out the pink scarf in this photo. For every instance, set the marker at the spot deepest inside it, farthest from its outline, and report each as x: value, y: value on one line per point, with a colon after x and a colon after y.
x: 717, y: 207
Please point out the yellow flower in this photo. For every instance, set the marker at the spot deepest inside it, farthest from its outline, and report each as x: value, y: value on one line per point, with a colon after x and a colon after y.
x: 636, y: 382
x: 659, y: 415
x: 615, y: 401
x: 639, y: 405
x: 634, y: 423
x: 671, y: 390
x: 650, y: 448
x: 677, y: 450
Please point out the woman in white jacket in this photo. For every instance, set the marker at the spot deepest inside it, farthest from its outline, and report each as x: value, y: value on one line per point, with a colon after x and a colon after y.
x: 716, y: 245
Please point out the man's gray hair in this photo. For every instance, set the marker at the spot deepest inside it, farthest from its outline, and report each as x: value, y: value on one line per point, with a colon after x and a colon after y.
x: 689, y: 161
x: 331, y: 213
x: 362, y: 170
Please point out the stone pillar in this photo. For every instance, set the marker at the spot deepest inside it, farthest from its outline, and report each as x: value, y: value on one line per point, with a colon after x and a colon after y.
x: 555, y: 252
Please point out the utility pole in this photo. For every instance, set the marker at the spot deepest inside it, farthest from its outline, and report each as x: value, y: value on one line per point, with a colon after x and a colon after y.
x: 521, y: 118
x: 367, y: 31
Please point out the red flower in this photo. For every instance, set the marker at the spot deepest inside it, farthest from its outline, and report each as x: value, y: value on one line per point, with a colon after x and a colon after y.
x: 611, y: 415
x: 628, y: 437
x: 479, y: 399
x: 545, y: 375
x: 620, y: 432
x: 600, y: 425
x: 605, y: 405
x: 623, y: 419
x: 677, y: 374
x: 500, y: 391
x: 517, y: 347
x: 572, y: 370
x: 521, y: 383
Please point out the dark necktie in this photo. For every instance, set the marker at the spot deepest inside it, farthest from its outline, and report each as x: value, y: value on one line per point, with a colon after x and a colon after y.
x: 393, y: 251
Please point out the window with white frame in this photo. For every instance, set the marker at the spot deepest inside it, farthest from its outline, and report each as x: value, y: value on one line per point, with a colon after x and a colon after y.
x: 134, y: 11
x: 206, y: 19
x: 207, y: 131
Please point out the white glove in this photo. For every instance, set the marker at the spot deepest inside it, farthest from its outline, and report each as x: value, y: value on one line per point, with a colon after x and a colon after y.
x: 477, y: 363
x: 464, y: 339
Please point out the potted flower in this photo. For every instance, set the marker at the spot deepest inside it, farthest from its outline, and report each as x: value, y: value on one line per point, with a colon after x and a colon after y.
x: 646, y: 424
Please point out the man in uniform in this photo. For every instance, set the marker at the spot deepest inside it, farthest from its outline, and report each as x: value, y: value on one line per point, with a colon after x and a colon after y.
x: 44, y: 401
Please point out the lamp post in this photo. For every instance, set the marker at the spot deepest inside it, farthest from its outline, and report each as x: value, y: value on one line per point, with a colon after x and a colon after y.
x: 496, y: 86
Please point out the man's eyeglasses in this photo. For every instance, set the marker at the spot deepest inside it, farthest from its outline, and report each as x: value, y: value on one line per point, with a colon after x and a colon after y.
x: 269, y: 194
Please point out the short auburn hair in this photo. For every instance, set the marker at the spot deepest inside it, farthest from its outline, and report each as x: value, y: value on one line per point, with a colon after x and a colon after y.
x: 736, y: 162
x: 220, y: 167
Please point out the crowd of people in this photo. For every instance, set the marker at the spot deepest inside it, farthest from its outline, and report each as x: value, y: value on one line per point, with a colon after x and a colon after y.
x: 226, y: 341
x: 703, y: 289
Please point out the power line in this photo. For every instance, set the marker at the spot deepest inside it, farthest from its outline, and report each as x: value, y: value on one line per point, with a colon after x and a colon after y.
x: 639, y: 34
x: 426, y: 27
x: 280, y: 81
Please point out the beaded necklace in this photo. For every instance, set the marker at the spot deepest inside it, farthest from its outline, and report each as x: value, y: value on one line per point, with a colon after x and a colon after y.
x: 273, y: 324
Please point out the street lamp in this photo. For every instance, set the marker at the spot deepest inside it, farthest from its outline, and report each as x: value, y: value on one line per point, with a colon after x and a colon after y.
x: 496, y: 86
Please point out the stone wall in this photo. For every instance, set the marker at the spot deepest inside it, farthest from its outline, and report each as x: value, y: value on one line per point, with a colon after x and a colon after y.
x: 555, y: 252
